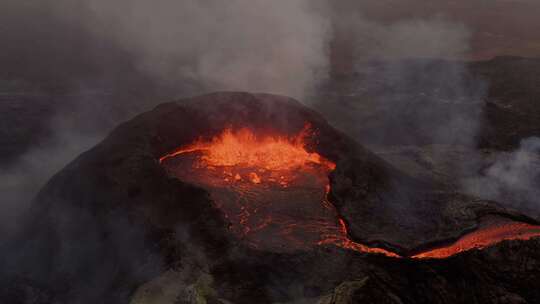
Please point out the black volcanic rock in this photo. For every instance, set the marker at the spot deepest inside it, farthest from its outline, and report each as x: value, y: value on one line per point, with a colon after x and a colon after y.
x: 113, y: 219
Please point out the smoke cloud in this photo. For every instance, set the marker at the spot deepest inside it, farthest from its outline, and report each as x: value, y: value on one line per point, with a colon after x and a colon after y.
x: 512, y: 178
x: 432, y: 37
x: 20, y: 182
x: 235, y: 45
x: 407, y: 83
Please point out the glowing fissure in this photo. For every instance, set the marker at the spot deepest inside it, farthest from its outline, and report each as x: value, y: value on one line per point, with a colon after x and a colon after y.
x: 274, y: 193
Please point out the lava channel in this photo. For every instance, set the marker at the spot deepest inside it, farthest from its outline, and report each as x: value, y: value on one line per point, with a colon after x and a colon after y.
x: 484, y: 237
x: 274, y: 194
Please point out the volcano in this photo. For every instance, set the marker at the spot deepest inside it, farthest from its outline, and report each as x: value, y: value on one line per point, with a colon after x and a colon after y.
x: 260, y: 192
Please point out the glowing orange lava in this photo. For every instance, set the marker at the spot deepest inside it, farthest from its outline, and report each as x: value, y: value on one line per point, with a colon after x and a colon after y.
x: 483, y: 238
x: 274, y: 192
x: 342, y: 240
x: 244, y: 148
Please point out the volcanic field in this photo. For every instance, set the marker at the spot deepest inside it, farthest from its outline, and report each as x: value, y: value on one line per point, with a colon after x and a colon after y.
x: 255, y: 198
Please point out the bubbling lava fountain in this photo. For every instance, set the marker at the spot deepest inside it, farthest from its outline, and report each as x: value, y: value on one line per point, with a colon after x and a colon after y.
x: 274, y: 193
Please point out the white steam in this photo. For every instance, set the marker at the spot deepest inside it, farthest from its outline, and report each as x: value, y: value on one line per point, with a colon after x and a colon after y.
x: 513, y: 178
x: 249, y: 45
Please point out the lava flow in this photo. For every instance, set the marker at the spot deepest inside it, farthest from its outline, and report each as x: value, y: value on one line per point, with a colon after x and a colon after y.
x: 274, y: 193
x: 484, y: 237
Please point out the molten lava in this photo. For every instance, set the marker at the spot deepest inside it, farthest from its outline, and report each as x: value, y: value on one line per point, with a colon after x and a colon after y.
x: 484, y: 237
x: 273, y: 191
x: 244, y: 149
